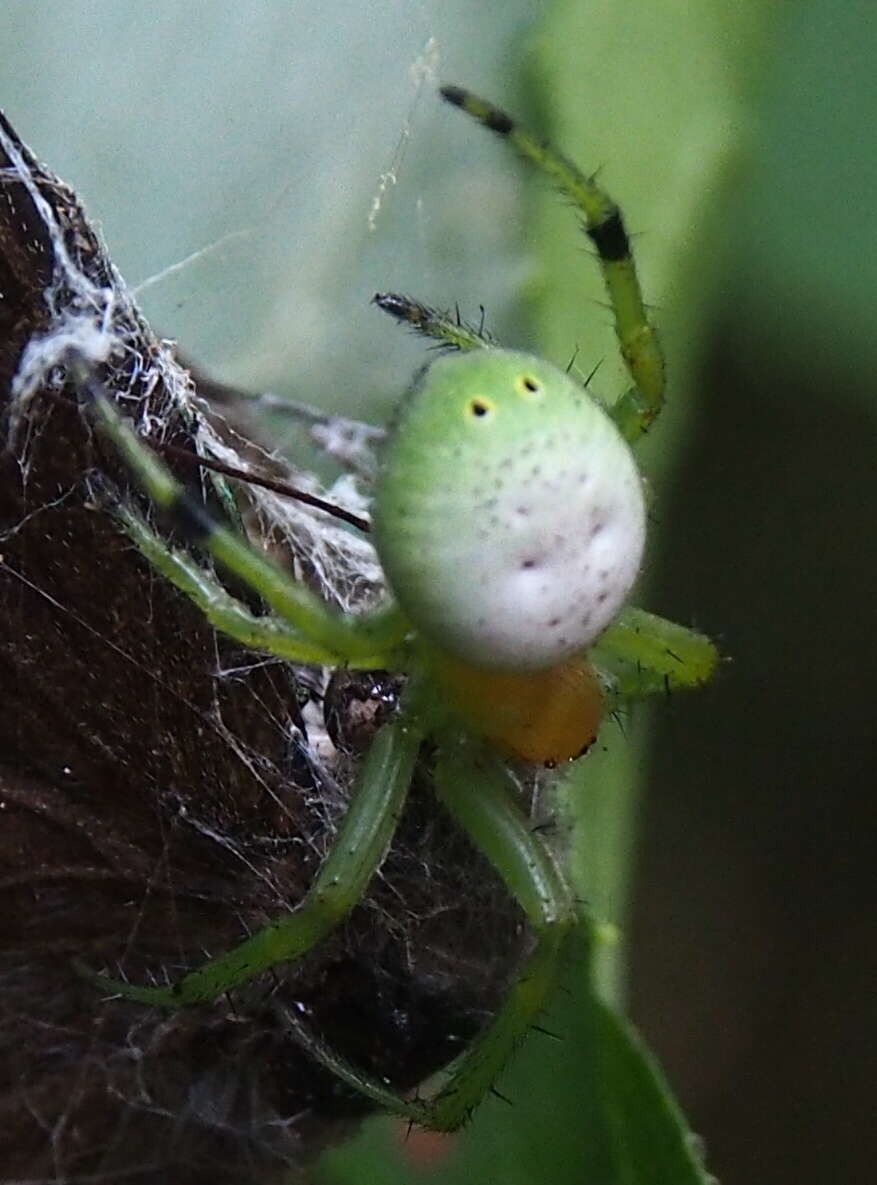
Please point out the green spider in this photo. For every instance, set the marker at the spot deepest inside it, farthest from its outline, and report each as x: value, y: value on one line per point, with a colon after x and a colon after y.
x: 509, y: 519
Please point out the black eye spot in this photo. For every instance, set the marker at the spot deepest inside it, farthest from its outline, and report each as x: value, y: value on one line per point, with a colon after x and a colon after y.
x: 525, y: 384
x: 479, y: 407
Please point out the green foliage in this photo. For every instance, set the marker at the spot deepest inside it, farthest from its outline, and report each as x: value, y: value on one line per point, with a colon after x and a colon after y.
x: 803, y: 283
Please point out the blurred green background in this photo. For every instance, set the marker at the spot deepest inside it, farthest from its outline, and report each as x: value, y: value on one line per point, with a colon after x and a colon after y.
x: 300, y: 150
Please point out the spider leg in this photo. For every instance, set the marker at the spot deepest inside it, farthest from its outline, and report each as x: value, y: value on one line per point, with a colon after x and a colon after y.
x: 358, y: 851
x: 604, y: 226
x: 477, y: 789
x: 648, y: 655
x: 451, y: 331
x: 305, y: 629
x: 224, y: 612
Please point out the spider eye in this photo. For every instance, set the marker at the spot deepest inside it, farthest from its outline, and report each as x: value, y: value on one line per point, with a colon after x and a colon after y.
x: 479, y: 407
x: 527, y: 385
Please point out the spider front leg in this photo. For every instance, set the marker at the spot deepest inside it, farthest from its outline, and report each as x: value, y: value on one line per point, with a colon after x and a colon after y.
x: 302, y: 628
x: 358, y: 851
x: 635, y: 411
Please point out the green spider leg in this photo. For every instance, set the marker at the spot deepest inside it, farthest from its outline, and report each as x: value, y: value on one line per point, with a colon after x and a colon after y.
x: 301, y: 628
x: 638, y: 407
x: 429, y: 322
x: 479, y: 793
x: 643, y: 654
x: 359, y: 849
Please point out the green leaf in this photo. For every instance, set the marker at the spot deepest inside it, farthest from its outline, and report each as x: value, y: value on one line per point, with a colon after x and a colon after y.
x: 803, y: 276
x: 644, y: 1128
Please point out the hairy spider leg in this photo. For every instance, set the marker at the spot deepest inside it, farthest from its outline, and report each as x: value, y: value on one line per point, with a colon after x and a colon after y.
x: 648, y: 655
x: 478, y: 791
x: 422, y: 318
x: 304, y: 628
x: 527, y: 865
x: 357, y: 853
x: 637, y: 408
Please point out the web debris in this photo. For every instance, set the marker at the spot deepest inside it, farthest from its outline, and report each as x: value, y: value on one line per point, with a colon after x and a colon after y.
x: 424, y: 72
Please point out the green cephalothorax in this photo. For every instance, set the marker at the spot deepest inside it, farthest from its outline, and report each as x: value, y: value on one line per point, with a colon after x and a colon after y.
x: 508, y: 512
x: 509, y: 520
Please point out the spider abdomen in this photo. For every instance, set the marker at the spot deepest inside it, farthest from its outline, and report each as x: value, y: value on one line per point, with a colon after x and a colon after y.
x: 509, y: 513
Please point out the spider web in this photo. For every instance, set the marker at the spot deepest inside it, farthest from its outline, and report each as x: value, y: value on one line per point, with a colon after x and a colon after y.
x: 100, y: 323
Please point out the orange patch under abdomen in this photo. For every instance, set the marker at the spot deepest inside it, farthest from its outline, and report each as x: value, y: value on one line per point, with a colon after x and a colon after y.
x: 538, y: 716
